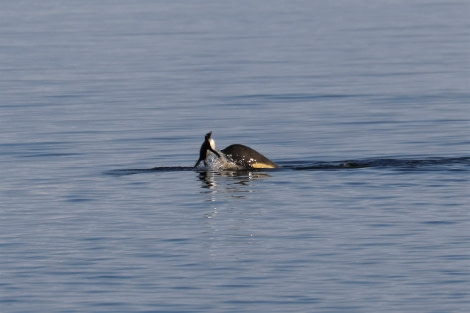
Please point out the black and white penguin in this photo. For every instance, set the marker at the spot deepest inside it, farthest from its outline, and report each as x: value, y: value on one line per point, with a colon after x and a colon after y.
x: 207, y: 147
x: 236, y: 156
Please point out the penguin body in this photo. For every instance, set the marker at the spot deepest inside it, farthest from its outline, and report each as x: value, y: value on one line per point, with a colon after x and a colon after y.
x: 207, y: 147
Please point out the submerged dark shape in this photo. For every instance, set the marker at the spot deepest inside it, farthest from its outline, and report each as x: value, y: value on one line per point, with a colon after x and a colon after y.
x: 235, y: 156
x: 247, y: 157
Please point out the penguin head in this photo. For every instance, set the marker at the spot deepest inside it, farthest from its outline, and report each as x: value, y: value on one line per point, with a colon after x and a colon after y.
x: 210, y: 141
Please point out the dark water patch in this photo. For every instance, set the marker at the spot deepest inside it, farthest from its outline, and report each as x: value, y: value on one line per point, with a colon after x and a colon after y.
x: 43, y: 149
x: 77, y: 200
x: 287, y: 97
x: 439, y: 163
x: 52, y: 155
x: 422, y: 98
x: 132, y: 171
x: 426, y: 164
x: 439, y: 222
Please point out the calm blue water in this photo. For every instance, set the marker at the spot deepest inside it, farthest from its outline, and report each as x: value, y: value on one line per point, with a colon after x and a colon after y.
x: 365, y: 104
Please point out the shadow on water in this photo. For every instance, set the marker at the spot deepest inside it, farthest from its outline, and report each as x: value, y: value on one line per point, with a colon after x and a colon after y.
x: 405, y: 164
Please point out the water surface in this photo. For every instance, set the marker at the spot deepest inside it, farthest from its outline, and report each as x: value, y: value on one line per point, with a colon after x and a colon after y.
x: 104, y: 106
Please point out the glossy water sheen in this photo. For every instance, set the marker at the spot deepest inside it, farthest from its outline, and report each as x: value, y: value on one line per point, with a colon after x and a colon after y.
x: 104, y: 105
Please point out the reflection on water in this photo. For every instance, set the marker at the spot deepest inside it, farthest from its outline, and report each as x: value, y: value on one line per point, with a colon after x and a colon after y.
x: 240, y: 180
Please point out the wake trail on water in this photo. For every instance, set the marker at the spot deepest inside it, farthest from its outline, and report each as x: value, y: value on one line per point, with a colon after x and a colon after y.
x: 404, y: 164
x: 435, y: 163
